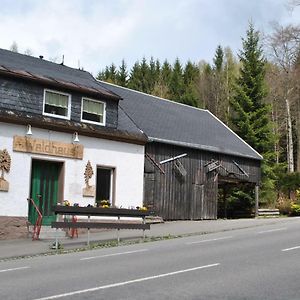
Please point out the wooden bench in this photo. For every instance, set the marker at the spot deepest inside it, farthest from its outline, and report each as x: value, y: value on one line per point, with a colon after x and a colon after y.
x: 98, y: 211
x: 268, y: 212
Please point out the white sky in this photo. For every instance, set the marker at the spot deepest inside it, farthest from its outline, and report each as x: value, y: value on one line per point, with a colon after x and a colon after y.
x: 99, y: 32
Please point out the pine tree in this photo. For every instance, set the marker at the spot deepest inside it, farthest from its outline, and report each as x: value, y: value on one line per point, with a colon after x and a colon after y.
x: 166, y: 72
x: 122, y: 75
x: 250, y: 115
x: 190, y: 95
x: 112, y: 73
x: 152, y: 75
x: 135, y: 77
x: 218, y: 59
x: 218, y: 83
x: 163, y: 74
x: 176, y: 82
x: 157, y: 69
x: 145, y: 76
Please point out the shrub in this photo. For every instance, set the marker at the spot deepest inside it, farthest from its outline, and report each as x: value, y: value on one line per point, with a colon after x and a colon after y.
x: 284, y: 206
x: 295, y: 209
x: 288, y: 182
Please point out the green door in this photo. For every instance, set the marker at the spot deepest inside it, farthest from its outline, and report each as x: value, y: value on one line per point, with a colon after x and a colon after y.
x: 44, y: 190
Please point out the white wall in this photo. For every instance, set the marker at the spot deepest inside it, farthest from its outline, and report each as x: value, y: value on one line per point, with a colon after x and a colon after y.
x: 127, y: 159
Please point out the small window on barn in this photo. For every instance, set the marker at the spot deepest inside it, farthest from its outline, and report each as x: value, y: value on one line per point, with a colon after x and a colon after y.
x: 57, y: 104
x: 93, y: 111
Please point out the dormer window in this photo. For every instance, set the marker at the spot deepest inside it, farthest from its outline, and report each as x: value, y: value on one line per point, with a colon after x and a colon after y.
x: 57, y: 104
x: 93, y: 111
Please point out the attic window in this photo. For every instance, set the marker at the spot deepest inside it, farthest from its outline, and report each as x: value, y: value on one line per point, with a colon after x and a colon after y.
x: 93, y: 111
x: 57, y: 104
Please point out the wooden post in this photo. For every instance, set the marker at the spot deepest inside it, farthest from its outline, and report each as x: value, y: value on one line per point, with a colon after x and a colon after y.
x: 88, y: 234
x: 225, y: 200
x: 256, y: 199
x: 118, y: 232
x: 144, y: 222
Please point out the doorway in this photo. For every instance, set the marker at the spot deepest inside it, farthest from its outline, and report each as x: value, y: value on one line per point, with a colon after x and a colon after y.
x: 46, y: 189
x: 104, y: 185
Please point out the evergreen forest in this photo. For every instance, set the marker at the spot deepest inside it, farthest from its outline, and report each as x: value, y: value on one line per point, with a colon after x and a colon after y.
x: 256, y: 92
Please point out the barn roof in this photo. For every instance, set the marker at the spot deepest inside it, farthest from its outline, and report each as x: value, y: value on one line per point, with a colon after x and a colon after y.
x: 174, y: 123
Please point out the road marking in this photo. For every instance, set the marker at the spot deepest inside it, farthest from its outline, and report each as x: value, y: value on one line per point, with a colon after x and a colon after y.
x: 272, y: 230
x: 103, y: 287
x: 210, y: 240
x: 14, y: 269
x: 114, y: 254
x: 289, y: 249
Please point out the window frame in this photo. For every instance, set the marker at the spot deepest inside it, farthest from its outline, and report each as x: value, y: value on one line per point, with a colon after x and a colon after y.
x: 54, y: 115
x: 93, y: 122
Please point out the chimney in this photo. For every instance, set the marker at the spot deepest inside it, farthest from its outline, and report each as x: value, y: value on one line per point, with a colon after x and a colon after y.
x: 41, y: 56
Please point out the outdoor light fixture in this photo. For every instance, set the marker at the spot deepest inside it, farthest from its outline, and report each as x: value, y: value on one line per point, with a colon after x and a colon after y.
x: 29, y: 132
x: 75, y: 137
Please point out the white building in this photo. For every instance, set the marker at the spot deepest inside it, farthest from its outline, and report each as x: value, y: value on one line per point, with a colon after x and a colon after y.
x: 67, y: 139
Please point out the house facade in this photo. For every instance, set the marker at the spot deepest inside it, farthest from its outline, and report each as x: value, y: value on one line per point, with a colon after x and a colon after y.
x: 63, y: 137
x: 190, y: 157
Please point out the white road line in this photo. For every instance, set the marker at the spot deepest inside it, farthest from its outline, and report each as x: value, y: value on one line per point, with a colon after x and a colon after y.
x: 126, y: 282
x: 289, y: 249
x: 14, y: 269
x: 114, y: 254
x: 272, y: 230
x: 210, y: 240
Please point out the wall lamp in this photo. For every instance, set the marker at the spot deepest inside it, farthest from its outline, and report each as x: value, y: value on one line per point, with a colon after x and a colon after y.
x: 29, y: 131
x: 75, y: 137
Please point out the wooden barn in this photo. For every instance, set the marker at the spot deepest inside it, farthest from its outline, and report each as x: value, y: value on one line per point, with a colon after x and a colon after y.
x: 190, y: 155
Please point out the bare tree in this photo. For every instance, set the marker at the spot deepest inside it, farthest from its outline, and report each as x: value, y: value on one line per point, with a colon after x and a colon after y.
x: 14, y: 47
x: 284, y: 51
x: 29, y: 52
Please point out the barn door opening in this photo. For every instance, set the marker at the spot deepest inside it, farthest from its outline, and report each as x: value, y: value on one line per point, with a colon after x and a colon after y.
x: 104, y: 185
x: 46, y: 189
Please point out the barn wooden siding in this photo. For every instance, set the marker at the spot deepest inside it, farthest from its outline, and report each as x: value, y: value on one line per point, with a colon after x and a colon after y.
x: 194, y: 196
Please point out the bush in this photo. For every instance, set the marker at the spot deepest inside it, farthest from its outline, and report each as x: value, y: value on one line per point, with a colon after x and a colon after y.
x: 288, y: 182
x: 240, y: 202
x: 295, y: 209
x: 284, y: 206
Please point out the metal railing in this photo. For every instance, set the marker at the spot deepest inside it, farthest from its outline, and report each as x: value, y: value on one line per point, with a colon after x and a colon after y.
x: 38, y: 222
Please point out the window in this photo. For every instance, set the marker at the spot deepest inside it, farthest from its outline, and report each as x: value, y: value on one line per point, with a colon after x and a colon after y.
x: 57, y: 104
x: 93, y: 111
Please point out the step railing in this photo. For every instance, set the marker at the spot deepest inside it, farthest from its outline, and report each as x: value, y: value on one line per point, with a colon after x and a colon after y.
x: 38, y: 222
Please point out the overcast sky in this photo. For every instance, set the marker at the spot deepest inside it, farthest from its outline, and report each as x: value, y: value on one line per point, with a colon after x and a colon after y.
x: 95, y: 33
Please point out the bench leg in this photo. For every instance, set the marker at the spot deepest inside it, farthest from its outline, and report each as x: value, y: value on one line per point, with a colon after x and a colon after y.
x: 56, y: 239
x: 144, y: 222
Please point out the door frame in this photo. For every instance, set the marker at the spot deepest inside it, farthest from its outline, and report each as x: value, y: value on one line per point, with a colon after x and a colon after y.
x: 113, y: 180
x: 61, y: 178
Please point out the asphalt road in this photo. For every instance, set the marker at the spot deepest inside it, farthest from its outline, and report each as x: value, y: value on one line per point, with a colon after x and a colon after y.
x: 255, y: 263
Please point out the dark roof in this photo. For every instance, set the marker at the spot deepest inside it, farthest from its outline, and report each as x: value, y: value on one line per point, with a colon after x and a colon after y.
x: 126, y: 131
x: 40, y: 70
x: 174, y: 123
